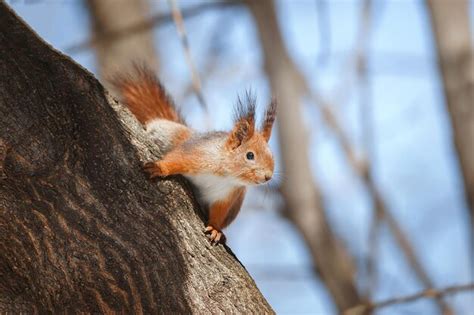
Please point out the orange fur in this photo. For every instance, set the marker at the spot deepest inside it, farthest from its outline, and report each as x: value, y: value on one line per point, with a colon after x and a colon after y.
x: 223, y: 212
x: 181, y: 136
x: 270, y: 115
x: 252, y: 173
x: 146, y: 97
x: 244, y: 126
x: 175, y: 162
x: 235, y: 208
x: 241, y: 132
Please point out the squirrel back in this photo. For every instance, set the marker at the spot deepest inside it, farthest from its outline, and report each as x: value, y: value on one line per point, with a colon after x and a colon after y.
x: 146, y: 97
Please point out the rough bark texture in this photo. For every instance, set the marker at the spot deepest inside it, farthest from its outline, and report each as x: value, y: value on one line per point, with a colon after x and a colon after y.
x: 450, y: 20
x: 114, y: 55
x: 81, y: 228
x: 300, y: 191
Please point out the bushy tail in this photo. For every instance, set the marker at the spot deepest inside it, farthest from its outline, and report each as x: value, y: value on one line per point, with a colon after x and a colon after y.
x: 146, y: 97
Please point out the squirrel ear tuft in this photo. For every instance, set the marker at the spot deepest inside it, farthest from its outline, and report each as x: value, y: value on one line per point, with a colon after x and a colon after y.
x: 269, y: 119
x: 244, y: 127
x: 241, y: 132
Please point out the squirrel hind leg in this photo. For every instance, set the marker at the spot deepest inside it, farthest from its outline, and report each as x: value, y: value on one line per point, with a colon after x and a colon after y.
x: 215, y: 236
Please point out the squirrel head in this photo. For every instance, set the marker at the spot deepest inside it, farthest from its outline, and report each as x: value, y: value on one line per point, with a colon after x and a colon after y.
x: 252, y: 160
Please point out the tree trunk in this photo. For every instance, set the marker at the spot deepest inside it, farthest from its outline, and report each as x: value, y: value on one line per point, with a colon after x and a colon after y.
x: 81, y: 227
x: 301, y: 193
x: 115, y: 55
x: 450, y: 21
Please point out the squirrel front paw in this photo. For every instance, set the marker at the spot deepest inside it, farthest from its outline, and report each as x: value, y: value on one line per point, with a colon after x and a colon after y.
x: 154, y: 169
x: 215, y: 236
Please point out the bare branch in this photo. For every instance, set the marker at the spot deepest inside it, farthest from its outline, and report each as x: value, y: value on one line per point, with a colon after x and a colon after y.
x: 356, y: 59
x: 157, y: 20
x: 372, y: 276
x: 366, y: 122
x: 221, y: 27
x: 429, y: 293
x: 324, y: 28
x: 451, y: 27
x: 178, y: 21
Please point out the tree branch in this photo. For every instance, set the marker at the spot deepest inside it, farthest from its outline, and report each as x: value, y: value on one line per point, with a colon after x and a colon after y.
x: 429, y: 293
x: 456, y: 63
x: 142, y: 26
x: 196, y: 82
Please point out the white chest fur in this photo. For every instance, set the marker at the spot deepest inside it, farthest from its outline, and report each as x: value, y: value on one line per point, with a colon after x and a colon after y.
x: 213, y: 188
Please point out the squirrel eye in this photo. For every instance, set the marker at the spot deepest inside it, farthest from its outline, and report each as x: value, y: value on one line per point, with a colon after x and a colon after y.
x: 250, y: 156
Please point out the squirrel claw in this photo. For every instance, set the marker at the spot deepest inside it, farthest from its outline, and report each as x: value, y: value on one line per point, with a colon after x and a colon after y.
x: 153, y: 169
x: 215, y: 235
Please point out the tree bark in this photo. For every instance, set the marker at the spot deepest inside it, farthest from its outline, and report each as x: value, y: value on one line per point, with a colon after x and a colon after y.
x: 81, y: 227
x: 301, y: 193
x: 450, y: 21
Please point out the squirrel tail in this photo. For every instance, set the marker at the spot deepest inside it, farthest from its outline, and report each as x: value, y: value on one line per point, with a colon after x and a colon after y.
x: 146, y: 97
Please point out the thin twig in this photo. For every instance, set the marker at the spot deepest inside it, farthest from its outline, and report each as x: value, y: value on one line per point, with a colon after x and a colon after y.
x: 354, y: 61
x: 373, y: 245
x: 429, y: 293
x: 324, y: 28
x: 178, y: 21
x: 222, y: 26
x: 142, y: 26
x: 362, y: 59
x: 366, y: 122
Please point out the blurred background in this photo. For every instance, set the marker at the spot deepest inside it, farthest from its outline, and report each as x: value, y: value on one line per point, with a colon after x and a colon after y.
x: 374, y: 193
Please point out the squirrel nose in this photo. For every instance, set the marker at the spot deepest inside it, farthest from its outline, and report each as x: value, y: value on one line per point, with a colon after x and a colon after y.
x: 268, y: 176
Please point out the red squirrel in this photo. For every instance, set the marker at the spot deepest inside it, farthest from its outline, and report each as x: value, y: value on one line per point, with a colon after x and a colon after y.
x: 220, y: 164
